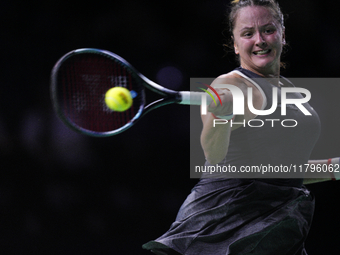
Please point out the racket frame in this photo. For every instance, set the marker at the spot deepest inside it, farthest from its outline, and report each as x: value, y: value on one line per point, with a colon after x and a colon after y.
x: 168, y: 96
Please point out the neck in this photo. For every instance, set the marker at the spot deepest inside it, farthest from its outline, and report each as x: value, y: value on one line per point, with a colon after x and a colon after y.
x: 273, y: 77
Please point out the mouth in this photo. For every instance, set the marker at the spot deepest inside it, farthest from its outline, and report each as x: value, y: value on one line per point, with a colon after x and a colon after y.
x: 261, y: 52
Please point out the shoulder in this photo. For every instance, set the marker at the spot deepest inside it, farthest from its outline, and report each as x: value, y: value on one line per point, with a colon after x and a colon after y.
x: 258, y: 97
x: 233, y: 78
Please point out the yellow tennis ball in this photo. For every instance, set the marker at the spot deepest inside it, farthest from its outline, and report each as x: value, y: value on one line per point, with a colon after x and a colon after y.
x: 118, y: 99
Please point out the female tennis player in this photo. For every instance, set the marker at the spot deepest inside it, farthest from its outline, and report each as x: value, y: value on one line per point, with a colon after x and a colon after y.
x: 234, y: 216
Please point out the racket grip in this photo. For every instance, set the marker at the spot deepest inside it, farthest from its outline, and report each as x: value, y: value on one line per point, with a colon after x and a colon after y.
x: 194, y: 98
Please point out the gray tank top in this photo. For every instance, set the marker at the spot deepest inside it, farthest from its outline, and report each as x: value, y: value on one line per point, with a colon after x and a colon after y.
x: 273, y: 146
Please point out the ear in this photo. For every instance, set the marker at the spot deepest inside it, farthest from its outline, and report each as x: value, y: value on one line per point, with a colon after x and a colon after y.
x: 235, y: 47
x: 283, y: 37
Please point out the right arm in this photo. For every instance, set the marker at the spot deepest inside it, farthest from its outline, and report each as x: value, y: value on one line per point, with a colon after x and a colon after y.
x: 215, y: 139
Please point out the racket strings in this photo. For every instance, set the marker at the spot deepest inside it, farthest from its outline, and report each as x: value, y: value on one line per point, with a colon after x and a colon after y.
x: 85, y: 78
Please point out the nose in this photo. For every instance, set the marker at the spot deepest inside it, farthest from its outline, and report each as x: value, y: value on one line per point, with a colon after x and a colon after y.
x: 259, y: 40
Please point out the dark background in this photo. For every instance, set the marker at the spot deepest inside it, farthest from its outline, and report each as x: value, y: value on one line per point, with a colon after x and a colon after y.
x: 65, y: 193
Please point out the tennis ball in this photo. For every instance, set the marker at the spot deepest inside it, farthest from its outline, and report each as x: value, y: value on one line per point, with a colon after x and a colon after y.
x: 118, y: 99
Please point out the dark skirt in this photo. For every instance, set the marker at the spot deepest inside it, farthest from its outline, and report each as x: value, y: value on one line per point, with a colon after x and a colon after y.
x: 239, y: 216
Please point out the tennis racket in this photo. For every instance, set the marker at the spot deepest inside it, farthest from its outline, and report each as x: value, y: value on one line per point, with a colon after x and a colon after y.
x: 80, y: 79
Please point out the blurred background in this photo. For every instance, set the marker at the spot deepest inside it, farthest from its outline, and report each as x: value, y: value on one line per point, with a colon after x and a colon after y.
x: 66, y: 193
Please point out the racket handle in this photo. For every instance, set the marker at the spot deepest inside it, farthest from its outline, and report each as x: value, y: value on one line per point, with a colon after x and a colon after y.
x: 194, y: 98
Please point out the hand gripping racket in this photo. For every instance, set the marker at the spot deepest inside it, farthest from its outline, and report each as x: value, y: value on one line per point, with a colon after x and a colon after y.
x: 80, y: 79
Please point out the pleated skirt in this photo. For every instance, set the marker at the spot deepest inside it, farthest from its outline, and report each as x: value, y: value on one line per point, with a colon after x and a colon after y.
x: 239, y: 217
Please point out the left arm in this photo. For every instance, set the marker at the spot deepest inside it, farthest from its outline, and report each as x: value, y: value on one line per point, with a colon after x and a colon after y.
x: 335, y: 176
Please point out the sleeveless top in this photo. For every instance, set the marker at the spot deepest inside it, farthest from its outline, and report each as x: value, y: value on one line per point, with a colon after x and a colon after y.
x: 246, y: 216
x: 272, y: 144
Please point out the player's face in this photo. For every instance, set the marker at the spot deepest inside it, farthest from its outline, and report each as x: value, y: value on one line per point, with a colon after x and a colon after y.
x: 258, y: 39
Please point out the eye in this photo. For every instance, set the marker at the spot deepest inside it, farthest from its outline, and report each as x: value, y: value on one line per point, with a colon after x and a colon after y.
x: 247, y: 34
x: 269, y: 31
